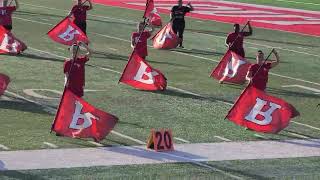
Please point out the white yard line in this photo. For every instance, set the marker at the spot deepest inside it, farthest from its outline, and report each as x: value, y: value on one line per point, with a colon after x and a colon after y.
x: 95, y: 143
x: 223, y: 138
x: 182, y: 140
x: 298, y: 135
x: 316, y: 91
x: 128, y: 137
x: 4, y: 147
x: 260, y: 136
x: 306, y: 125
x: 30, y: 20
x: 45, y: 108
x: 51, y: 145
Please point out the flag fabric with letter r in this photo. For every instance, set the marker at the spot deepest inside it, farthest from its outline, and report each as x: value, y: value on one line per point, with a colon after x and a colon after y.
x: 78, y: 119
x: 261, y: 112
x: 152, y: 14
x: 66, y: 32
x: 9, y: 43
x: 139, y: 74
x: 165, y: 38
x: 232, y: 68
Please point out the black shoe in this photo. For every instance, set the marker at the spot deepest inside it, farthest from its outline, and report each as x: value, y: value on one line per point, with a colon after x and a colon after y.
x: 181, y: 46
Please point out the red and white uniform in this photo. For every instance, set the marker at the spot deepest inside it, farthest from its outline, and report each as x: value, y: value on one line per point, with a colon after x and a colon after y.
x: 77, y: 75
x: 6, y: 15
x: 260, y: 79
x: 141, y: 46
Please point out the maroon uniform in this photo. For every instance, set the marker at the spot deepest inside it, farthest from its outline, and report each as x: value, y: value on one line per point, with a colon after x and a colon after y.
x: 141, y: 46
x: 260, y: 78
x: 237, y: 40
x: 77, y: 75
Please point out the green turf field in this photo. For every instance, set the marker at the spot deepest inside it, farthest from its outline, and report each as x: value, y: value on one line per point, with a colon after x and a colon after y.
x: 313, y: 5
x: 26, y: 125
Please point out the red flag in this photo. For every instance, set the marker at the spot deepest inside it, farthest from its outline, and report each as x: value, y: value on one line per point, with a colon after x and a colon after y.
x: 4, y: 82
x: 232, y: 68
x: 66, y: 32
x: 139, y: 74
x: 78, y: 119
x: 152, y: 14
x: 261, y: 112
x: 9, y: 43
x: 166, y: 38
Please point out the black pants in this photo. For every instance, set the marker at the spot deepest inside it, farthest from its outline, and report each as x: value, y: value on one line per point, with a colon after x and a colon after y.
x: 8, y: 27
x: 82, y: 26
x: 178, y: 28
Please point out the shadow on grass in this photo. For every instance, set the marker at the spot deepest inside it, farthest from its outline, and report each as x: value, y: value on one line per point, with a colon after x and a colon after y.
x: 106, y: 55
x: 4, y: 173
x: 40, y: 57
x: 22, y: 106
x: 216, y: 33
x: 180, y: 156
x: 198, y: 52
x: 131, y: 124
x: 175, y: 93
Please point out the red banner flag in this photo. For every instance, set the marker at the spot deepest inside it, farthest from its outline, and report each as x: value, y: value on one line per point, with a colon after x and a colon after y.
x: 4, y: 82
x: 232, y: 68
x: 152, y: 14
x: 260, y: 112
x: 166, y: 38
x: 66, y: 32
x: 139, y: 74
x: 9, y: 43
x: 78, y: 119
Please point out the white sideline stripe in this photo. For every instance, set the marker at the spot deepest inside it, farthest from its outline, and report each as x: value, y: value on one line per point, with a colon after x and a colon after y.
x: 181, y: 90
x: 50, y: 145
x: 260, y: 136
x: 182, y: 140
x: 296, y: 79
x: 298, y: 2
x: 128, y: 137
x: 299, y: 135
x: 4, y: 147
x: 306, y: 125
x: 223, y: 138
x: 95, y: 143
